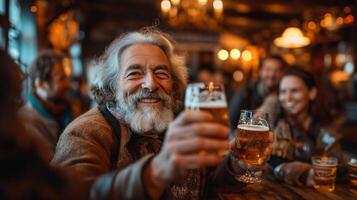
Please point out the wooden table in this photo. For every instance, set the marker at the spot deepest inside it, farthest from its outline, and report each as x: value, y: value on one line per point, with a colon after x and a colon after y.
x: 269, y: 190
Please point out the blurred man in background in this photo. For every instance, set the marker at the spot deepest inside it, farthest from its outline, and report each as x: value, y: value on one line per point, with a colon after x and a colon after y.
x: 48, y: 110
x: 25, y: 172
x: 253, y: 95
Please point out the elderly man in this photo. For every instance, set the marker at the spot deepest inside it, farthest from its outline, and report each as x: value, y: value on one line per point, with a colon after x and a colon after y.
x: 141, y: 82
x: 253, y: 95
x: 48, y: 110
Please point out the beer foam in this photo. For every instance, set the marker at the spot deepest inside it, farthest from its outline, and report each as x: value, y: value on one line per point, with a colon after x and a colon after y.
x: 322, y: 165
x: 253, y: 127
x: 212, y: 104
x: 353, y: 162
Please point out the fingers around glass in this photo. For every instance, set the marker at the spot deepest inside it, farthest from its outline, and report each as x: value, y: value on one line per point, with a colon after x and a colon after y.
x: 209, y: 97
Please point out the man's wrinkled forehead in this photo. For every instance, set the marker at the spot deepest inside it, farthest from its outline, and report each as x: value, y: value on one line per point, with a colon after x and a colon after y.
x: 143, y: 54
x: 272, y: 63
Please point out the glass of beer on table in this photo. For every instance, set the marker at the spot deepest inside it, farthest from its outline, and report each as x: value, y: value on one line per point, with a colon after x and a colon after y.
x: 324, y: 172
x: 209, y: 97
x: 251, y: 142
x: 352, y: 174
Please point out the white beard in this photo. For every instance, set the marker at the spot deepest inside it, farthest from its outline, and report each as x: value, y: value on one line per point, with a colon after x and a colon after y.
x: 148, y: 120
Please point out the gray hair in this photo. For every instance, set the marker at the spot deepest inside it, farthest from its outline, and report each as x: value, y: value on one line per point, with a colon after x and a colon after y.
x: 107, y: 67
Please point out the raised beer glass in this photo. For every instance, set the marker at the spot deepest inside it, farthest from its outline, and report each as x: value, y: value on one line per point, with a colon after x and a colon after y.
x: 211, y: 98
x: 252, y: 140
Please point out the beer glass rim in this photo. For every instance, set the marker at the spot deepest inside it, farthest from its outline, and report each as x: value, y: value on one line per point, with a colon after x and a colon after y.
x: 253, y: 111
x: 327, y: 161
x: 353, y: 161
x: 206, y: 84
x: 216, y: 98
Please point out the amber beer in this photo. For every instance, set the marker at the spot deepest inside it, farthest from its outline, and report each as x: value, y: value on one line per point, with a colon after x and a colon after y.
x: 324, y: 173
x: 251, y: 142
x: 218, y: 111
x: 210, y: 98
x: 352, y: 174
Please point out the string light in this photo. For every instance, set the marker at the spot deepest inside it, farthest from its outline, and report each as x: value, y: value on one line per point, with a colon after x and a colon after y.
x: 311, y: 25
x: 339, y: 20
x: 223, y: 54
x: 235, y: 54
x: 238, y: 76
x: 34, y: 9
x: 247, y: 55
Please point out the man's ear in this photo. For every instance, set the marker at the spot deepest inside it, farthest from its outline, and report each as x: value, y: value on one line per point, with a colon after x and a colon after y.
x: 312, y: 93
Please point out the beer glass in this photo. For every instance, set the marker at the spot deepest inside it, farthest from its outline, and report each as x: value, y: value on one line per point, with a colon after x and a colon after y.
x: 211, y: 98
x: 251, y: 141
x: 352, y: 174
x: 324, y: 172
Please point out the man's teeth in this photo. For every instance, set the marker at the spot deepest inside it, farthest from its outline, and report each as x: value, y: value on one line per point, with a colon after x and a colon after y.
x: 289, y: 104
x: 149, y: 100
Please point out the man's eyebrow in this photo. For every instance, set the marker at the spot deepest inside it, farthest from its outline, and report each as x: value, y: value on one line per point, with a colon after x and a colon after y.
x: 133, y: 67
x: 163, y: 66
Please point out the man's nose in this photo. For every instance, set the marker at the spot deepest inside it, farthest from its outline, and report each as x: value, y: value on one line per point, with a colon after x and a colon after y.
x: 149, y: 82
x: 271, y: 74
x: 288, y: 96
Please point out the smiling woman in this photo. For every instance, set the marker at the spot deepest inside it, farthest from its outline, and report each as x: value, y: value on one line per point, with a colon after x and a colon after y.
x: 295, y: 95
x: 299, y: 130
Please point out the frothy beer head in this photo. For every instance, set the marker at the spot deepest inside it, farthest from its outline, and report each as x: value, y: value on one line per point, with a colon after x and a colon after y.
x: 209, y: 98
x: 213, y: 104
x: 257, y: 128
x: 200, y: 95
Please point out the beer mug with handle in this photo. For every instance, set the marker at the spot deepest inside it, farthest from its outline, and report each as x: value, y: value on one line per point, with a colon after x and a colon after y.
x: 252, y: 140
x: 209, y: 97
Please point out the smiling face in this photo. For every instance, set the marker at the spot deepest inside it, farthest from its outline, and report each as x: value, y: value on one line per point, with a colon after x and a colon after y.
x: 145, y: 67
x: 294, y: 95
x: 271, y: 72
x: 145, y: 94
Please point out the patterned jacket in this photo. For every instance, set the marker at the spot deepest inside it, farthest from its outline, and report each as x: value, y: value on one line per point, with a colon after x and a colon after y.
x: 291, y: 143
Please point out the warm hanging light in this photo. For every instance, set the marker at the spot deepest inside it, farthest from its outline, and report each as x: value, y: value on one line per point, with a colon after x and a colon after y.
x: 218, y: 7
x: 165, y: 6
x: 292, y: 37
x: 201, y: 13
x: 175, y: 2
x: 202, y: 2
